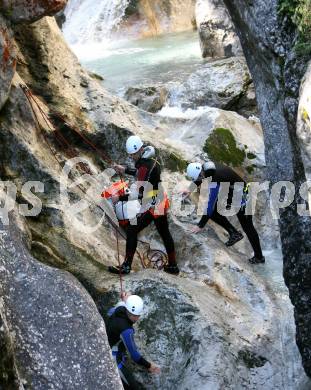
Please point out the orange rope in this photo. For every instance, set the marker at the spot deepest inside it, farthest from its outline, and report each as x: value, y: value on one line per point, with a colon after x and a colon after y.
x: 120, y: 273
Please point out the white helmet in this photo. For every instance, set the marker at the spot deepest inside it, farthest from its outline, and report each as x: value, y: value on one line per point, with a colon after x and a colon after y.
x: 209, y: 165
x: 134, y: 304
x: 133, y: 144
x: 194, y: 170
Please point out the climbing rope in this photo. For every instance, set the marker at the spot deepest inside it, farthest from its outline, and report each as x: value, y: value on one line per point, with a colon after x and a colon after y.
x: 150, y: 258
x: 119, y: 262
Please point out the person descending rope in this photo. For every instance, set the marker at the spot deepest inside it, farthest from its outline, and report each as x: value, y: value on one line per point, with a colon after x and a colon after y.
x: 120, y: 332
x: 147, y: 169
x: 223, y: 174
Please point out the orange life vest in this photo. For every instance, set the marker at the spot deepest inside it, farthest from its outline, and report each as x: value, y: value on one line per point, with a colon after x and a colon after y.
x: 121, y: 188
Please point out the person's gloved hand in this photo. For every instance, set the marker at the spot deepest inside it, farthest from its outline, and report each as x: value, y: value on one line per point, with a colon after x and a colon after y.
x: 195, y: 229
x: 119, y: 169
x: 154, y: 369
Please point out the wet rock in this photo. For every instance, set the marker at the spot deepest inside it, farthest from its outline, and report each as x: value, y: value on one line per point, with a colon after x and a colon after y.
x: 51, y: 324
x: 7, y: 61
x: 21, y: 11
x: 225, y: 84
x: 216, y: 31
x: 148, y: 98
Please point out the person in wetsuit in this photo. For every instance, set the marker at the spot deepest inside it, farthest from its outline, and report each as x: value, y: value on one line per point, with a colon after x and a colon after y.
x: 120, y: 332
x: 147, y: 169
x: 223, y: 174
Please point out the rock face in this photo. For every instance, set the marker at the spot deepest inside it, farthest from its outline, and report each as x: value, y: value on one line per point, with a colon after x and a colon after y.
x: 149, y: 18
x: 51, y: 325
x: 230, y: 301
x: 216, y: 30
x: 21, y: 11
x: 204, y: 343
x: 148, y: 98
x: 7, y: 61
x: 224, y: 136
x: 223, y: 84
x: 277, y: 73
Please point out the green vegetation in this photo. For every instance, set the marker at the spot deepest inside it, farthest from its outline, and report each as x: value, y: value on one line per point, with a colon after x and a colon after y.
x: 222, y: 147
x: 299, y: 12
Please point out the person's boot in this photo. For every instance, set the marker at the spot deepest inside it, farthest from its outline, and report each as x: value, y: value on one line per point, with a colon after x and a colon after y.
x: 257, y: 260
x: 124, y: 269
x: 171, y: 269
x: 234, y: 238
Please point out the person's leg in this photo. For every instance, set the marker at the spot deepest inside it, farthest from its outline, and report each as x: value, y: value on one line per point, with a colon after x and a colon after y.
x: 131, y: 235
x: 246, y: 222
x: 128, y: 380
x: 234, y: 234
x: 131, y: 242
x: 161, y: 224
x: 163, y: 229
x: 223, y: 222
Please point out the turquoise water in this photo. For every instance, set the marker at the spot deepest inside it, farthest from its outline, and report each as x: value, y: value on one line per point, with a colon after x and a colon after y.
x: 162, y: 59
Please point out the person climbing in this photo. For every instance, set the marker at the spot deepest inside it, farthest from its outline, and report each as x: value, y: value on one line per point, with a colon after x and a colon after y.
x: 147, y: 169
x: 120, y: 332
x: 224, y: 174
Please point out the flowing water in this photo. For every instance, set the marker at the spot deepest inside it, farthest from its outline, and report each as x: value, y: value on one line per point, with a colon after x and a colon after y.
x: 90, y: 29
x: 162, y: 59
x: 90, y: 22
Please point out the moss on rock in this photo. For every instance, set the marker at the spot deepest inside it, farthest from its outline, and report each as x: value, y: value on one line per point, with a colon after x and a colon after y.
x: 299, y: 13
x: 222, y: 147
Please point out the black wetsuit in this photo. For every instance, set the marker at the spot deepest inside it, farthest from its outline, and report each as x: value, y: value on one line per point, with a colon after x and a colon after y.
x: 147, y: 169
x: 120, y: 334
x: 224, y: 174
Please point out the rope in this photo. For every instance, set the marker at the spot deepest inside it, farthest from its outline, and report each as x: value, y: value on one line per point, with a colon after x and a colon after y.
x: 120, y: 273
x: 150, y: 258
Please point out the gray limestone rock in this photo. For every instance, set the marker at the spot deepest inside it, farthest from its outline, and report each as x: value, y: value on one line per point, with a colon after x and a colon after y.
x: 216, y: 31
x: 148, y: 98
x: 50, y: 324
x: 268, y: 42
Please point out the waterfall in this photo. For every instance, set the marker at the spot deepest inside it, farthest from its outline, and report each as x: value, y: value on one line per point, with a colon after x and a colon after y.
x: 91, y: 22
